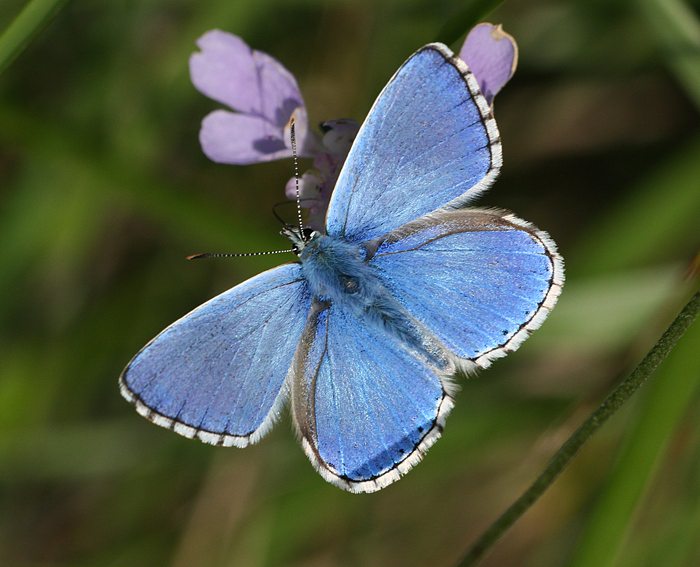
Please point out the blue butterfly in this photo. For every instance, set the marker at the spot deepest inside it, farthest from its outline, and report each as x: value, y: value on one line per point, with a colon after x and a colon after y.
x: 362, y: 335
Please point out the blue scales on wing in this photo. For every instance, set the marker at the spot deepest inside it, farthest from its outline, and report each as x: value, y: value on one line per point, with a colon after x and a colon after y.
x: 430, y: 139
x: 219, y: 373
x: 479, y: 280
x: 366, y: 406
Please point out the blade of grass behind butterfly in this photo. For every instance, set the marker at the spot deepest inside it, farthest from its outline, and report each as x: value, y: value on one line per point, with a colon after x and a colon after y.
x: 34, y: 16
x: 615, y: 400
x: 658, y: 220
x: 665, y: 402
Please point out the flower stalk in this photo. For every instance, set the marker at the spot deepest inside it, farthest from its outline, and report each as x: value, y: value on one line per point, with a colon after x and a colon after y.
x: 613, y: 402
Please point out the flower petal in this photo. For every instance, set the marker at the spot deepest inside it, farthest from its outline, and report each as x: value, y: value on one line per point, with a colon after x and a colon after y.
x: 310, y: 184
x: 307, y: 144
x: 230, y: 72
x: 338, y: 136
x: 492, y: 55
x: 239, y: 139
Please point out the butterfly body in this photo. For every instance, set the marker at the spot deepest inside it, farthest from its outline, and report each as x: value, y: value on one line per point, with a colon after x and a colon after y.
x: 336, y: 270
x: 338, y: 273
x: 363, y: 334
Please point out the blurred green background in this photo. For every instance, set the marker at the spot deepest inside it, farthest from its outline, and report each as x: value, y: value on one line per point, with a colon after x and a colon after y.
x: 104, y: 190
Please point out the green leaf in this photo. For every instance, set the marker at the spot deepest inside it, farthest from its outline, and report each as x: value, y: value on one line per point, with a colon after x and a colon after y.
x: 35, y: 15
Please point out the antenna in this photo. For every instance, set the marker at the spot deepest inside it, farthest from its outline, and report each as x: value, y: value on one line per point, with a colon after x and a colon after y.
x: 279, y: 218
x: 302, y: 236
x: 293, y: 137
x: 234, y: 254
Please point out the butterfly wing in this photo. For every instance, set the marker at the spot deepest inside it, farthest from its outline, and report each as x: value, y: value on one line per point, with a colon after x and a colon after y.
x: 366, y: 407
x: 219, y: 373
x: 430, y: 140
x: 480, y: 280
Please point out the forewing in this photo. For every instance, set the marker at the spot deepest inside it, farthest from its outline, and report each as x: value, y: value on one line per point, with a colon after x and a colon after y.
x: 480, y: 280
x: 430, y: 140
x: 367, y: 408
x: 219, y: 373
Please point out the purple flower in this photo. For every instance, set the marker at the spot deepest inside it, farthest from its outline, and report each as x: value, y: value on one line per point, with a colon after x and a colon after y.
x: 492, y: 55
x: 265, y: 96
x: 261, y: 91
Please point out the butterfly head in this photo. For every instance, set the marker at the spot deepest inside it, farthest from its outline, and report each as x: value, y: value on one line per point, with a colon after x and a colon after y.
x: 299, y: 237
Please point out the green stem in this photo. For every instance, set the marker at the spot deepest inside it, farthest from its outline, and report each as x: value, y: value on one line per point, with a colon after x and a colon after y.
x: 622, y: 392
x: 660, y: 418
x: 35, y: 15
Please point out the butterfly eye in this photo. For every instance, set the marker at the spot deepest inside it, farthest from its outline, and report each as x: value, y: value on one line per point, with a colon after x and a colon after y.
x: 309, y: 234
x: 350, y: 284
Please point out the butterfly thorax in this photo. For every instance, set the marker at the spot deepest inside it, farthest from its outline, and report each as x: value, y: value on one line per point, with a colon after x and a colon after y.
x: 338, y: 272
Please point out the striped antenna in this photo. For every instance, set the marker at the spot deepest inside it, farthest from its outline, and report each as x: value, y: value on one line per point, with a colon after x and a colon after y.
x: 235, y: 254
x: 201, y: 255
x: 292, y: 129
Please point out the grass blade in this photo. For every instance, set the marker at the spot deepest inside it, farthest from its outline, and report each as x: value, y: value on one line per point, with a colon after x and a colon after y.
x: 613, y: 402
x: 35, y: 15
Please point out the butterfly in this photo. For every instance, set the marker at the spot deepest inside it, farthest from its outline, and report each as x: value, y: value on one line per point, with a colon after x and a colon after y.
x: 363, y: 335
